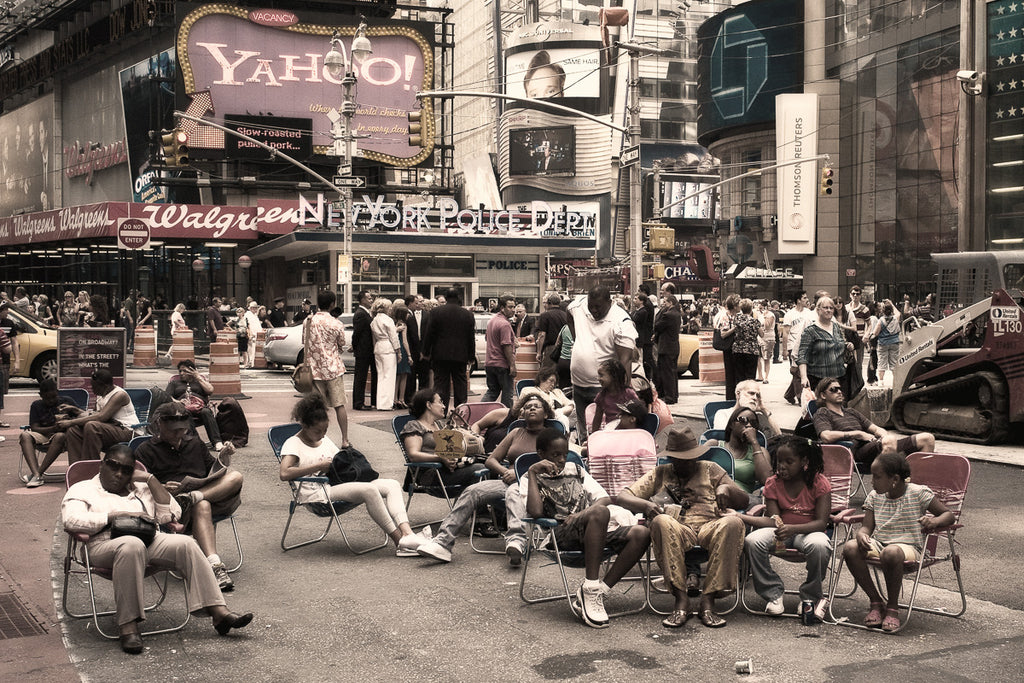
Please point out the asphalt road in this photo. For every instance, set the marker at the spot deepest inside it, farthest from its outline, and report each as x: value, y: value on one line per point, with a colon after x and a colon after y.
x: 325, y: 614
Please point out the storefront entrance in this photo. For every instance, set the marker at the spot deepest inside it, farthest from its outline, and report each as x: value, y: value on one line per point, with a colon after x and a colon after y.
x: 431, y: 287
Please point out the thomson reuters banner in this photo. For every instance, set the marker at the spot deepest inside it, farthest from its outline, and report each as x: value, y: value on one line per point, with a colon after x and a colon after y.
x: 796, y: 134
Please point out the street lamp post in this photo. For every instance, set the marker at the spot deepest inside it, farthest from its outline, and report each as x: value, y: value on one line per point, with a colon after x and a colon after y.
x: 636, y: 238
x: 340, y: 66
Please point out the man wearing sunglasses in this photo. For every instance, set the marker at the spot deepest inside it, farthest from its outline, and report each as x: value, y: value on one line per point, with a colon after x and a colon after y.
x: 834, y: 423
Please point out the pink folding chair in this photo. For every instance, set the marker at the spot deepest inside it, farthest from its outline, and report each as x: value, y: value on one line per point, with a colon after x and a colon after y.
x: 839, y: 470
x: 469, y: 413
x: 619, y: 457
x: 77, y: 562
x: 947, y: 476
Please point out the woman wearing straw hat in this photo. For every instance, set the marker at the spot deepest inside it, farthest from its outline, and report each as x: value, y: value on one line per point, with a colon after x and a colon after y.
x: 683, y: 501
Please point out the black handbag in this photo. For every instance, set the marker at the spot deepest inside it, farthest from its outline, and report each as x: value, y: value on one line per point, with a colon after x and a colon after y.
x: 720, y: 343
x: 142, y: 528
x: 350, y: 465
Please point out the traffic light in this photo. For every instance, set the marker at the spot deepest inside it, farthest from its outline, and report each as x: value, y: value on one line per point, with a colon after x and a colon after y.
x: 416, y: 128
x: 174, y: 145
x: 827, y: 177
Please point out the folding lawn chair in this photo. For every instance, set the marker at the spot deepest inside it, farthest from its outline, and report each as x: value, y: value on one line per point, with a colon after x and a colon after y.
x: 80, y: 398
x: 619, y: 457
x: 839, y: 472
x: 78, y: 563
x: 277, y: 435
x: 947, y: 476
x: 540, y: 529
x: 711, y: 408
x: 138, y: 441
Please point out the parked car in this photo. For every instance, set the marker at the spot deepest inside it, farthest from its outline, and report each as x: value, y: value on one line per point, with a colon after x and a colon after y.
x: 284, y: 344
x: 38, y: 344
x: 689, y: 355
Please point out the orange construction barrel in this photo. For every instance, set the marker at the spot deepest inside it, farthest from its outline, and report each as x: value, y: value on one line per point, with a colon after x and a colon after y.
x: 526, y: 360
x: 145, y: 347
x: 224, y: 375
x: 712, y: 364
x: 182, y: 347
x: 259, y: 360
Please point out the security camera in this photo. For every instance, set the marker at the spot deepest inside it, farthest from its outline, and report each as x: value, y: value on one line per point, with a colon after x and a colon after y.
x: 968, y: 77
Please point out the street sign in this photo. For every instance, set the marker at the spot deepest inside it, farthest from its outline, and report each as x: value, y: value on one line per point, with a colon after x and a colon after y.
x: 629, y: 156
x: 349, y: 181
x: 132, y: 233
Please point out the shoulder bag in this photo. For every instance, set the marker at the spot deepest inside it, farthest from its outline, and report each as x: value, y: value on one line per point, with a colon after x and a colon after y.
x: 350, y: 465
x: 302, y: 376
x: 720, y: 343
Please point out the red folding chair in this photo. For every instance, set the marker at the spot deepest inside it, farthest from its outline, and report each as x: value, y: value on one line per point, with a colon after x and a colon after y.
x: 947, y: 476
x: 78, y: 563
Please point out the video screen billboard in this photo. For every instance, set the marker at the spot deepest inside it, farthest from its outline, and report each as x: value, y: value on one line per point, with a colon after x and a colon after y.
x: 542, y: 151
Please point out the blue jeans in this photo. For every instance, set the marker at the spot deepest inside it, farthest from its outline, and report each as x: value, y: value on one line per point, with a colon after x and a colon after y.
x: 499, y: 381
x: 815, y: 546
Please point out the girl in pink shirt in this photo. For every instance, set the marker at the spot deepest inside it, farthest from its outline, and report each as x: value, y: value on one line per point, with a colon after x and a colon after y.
x: 798, y: 498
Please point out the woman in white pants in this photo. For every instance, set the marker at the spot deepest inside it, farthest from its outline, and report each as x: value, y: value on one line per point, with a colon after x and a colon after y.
x: 310, y: 452
x: 386, y: 349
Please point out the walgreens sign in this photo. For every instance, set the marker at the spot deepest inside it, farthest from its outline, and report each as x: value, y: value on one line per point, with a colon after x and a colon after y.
x: 233, y: 61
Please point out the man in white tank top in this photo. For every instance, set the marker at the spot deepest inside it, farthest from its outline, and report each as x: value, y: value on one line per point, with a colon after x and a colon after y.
x: 89, y: 435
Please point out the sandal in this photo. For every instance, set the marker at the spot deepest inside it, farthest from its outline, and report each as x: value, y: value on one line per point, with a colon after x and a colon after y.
x: 874, y: 617
x: 676, y: 619
x: 710, y: 619
x: 891, y: 623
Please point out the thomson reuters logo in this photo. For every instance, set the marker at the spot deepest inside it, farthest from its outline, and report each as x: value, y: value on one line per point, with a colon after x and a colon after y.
x: 796, y: 221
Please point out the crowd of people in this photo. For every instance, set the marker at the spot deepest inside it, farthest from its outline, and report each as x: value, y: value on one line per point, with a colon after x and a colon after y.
x: 419, y: 361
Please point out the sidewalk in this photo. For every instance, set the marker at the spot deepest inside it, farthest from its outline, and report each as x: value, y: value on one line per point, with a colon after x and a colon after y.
x: 693, y: 395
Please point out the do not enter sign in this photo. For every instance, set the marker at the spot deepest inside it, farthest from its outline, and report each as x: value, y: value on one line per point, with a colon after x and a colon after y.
x: 132, y: 233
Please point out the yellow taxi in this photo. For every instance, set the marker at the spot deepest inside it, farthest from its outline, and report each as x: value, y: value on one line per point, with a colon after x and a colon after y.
x: 38, y: 347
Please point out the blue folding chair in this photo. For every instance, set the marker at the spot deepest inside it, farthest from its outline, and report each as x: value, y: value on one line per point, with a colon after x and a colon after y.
x: 548, y: 422
x: 712, y: 407
x: 141, y: 401
x: 651, y: 423
x: 420, y: 477
x: 277, y: 435
x: 524, y: 384
x: 541, y: 528
x: 723, y: 458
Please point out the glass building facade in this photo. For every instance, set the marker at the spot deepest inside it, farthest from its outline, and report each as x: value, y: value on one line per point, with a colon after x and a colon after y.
x: 900, y: 105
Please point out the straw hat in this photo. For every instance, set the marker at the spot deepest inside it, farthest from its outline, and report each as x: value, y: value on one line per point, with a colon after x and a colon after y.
x: 682, y: 444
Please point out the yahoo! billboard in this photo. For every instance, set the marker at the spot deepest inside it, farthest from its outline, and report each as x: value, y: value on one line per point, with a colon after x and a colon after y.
x: 234, y: 60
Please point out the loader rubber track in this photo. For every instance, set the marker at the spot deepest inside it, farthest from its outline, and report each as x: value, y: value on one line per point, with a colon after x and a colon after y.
x: 983, y: 392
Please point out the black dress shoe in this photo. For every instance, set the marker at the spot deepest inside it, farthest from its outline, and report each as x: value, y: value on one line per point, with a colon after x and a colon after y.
x: 232, y: 620
x: 365, y: 408
x: 131, y: 643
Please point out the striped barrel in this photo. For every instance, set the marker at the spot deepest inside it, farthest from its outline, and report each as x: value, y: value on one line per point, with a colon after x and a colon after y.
x: 526, y: 360
x: 224, y: 375
x: 182, y: 347
x: 145, y: 347
x: 712, y: 363
x: 259, y: 360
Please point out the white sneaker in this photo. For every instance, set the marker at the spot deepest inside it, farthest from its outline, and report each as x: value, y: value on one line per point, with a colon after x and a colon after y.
x: 34, y: 482
x: 590, y: 601
x: 219, y: 446
x: 776, y: 607
x: 435, y: 551
x: 414, y: 541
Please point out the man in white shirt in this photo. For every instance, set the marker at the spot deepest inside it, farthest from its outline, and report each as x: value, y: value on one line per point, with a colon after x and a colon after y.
x: 601, y: 332
x: 792, y: 326
x: 253, y: 325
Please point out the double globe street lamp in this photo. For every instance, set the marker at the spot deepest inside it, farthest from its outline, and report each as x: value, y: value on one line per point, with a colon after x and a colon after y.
x: 341, y: 67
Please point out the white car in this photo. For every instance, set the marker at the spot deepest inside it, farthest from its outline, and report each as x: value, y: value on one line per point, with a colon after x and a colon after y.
x: 284, y: 344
